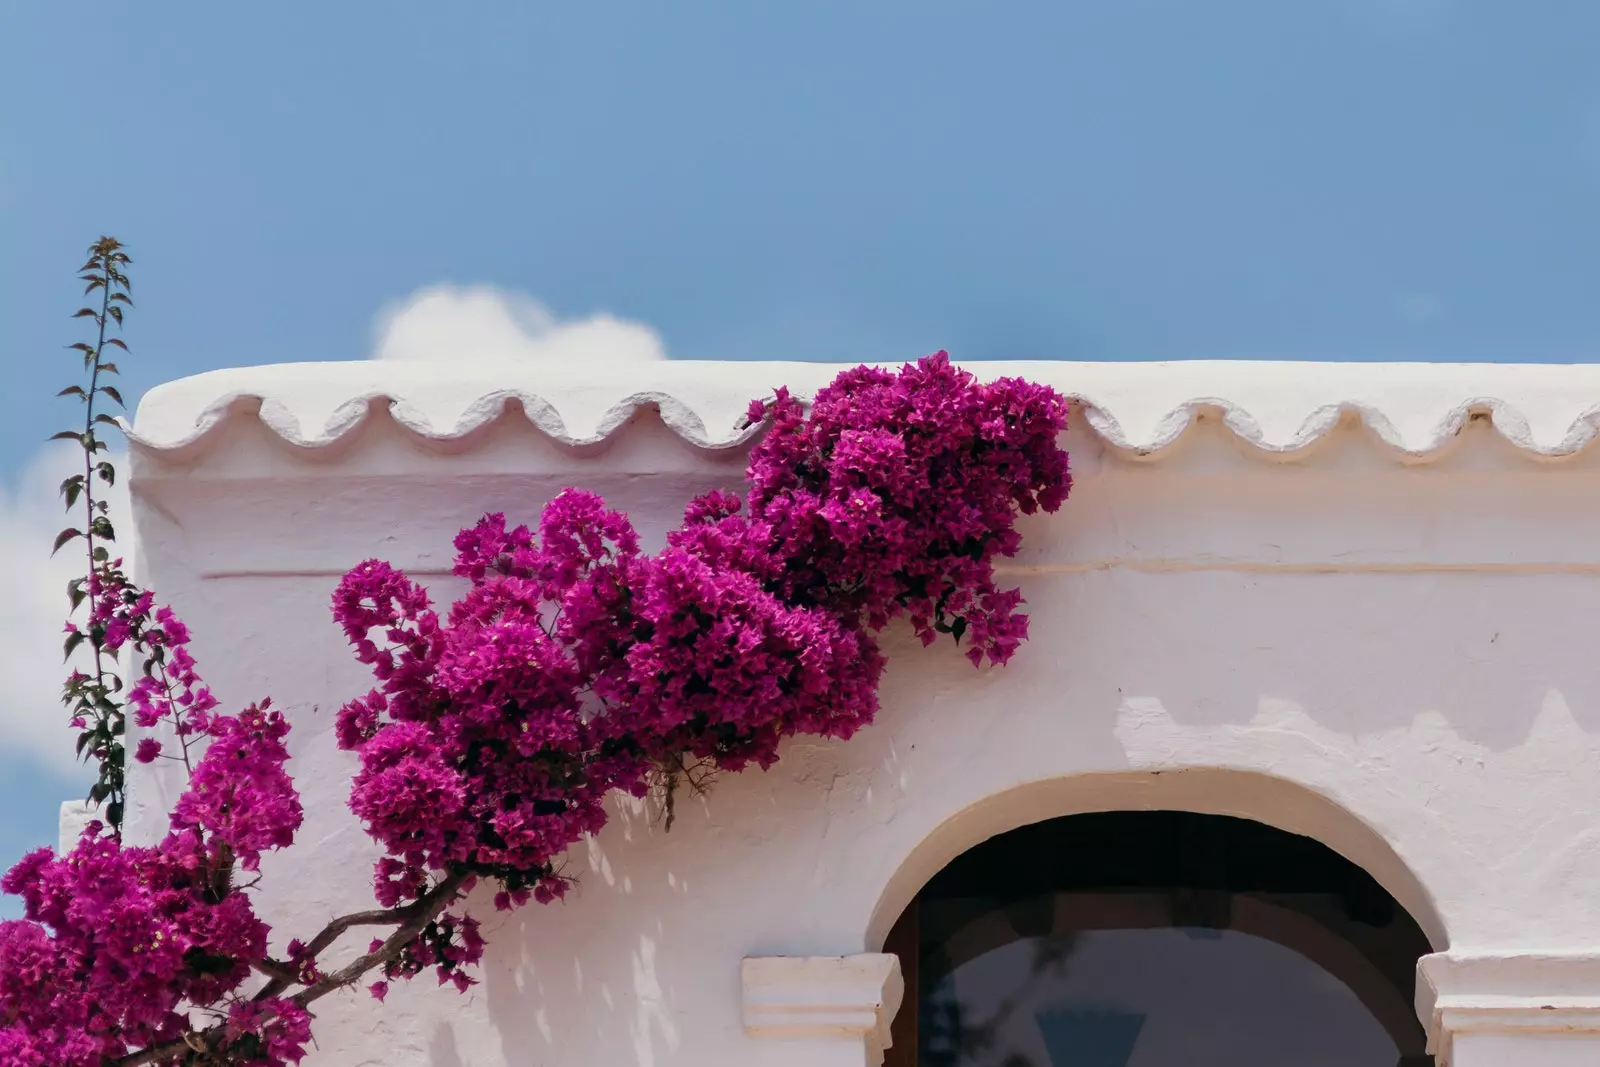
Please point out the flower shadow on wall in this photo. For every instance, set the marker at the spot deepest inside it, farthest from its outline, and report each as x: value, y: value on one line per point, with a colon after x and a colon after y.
x: 539, y: 984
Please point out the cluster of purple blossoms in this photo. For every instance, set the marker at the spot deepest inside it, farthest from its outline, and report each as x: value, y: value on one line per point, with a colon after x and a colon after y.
x: 121, y: 945
x: 575, y: 664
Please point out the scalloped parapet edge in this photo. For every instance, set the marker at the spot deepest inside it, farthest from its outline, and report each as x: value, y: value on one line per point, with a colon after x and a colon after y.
x: 1276, y: 408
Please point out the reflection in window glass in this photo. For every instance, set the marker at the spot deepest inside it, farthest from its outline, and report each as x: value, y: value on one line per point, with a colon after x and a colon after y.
x: 1164, y: 997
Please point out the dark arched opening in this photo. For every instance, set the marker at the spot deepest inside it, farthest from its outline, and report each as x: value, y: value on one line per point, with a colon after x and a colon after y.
x: 1153, y: 939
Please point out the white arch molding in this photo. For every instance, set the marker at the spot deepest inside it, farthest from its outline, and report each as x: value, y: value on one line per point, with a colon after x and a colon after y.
x: 846, y: 1005
x: 1275, y: 802
x: 1480, y: 1009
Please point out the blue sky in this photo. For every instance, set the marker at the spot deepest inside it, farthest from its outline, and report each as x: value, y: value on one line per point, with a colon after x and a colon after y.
x: 828, y: 179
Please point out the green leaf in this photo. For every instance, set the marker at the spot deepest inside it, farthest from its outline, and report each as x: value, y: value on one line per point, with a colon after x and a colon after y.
x: 63, y: 537
x: 103, y: 419
x: 115, y: 312
x: 102, y: 528
x: 107, y: 472
x: 122, y: 298
x: 74, y: 639
x: 81, y: 346
x: 76, y: 592
x: 108, y: 368
x: 72, y: 390
x: 98, y: 792
x: 83, y: 739
x: 94, y: 283
x: 116, y: 341
x: 71, y: 487
x: 86, y: 313
x: 67, y: 435
x: 100, y: 554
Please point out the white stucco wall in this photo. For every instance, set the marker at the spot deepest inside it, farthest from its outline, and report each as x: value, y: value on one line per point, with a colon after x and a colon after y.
x: 1351, y: 601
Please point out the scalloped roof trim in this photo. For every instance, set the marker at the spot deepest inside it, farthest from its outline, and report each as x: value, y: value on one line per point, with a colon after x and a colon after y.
x: 1547, y: 411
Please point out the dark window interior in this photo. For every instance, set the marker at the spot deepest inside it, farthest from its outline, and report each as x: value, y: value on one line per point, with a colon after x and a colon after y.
x: 1154, y: 939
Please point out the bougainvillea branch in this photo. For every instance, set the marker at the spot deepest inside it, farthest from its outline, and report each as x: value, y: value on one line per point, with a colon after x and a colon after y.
x: 576, y: 664
x: 412, y: 921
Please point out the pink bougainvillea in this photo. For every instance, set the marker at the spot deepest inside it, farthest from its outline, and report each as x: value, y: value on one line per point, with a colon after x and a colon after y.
x: 120, y: 943
x: 576, y: 663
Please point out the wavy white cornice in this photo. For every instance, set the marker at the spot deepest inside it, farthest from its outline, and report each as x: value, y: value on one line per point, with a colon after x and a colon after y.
x: 1142, y: 408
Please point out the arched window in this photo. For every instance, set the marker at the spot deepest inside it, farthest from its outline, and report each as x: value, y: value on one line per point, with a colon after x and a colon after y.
x: 1156, y: 939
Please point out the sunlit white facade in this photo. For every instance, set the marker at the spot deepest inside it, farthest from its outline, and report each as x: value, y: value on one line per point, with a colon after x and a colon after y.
x: 1354, y: 603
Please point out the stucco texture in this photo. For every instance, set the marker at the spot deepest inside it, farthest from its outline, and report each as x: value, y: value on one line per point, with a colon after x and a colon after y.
x: 1355, y: 602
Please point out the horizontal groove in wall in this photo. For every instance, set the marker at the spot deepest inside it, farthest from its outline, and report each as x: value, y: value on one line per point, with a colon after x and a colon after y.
x: 1143, y: 566
x: 1178, y: 566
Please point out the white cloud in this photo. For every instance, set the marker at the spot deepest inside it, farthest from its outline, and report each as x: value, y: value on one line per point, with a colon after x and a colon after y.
x: 436, y: 323
x: 33, y: 604
x: 481, y: 323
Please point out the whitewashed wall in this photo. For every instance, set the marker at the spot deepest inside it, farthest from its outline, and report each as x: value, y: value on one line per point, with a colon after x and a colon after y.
x: 1357, y: 602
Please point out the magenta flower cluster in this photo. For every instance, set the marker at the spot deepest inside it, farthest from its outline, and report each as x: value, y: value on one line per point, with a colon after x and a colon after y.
x: 122, y: 944
x: 575, y: 664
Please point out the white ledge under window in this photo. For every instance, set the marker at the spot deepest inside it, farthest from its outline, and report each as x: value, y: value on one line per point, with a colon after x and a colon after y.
x: 822, y: 1011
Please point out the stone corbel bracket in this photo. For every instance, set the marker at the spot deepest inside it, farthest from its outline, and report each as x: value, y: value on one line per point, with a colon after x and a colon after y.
x: 829, y: 999
x: 1523, y: 995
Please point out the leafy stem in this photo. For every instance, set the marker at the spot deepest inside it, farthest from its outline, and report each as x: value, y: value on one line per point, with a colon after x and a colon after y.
x: 92, y: 698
